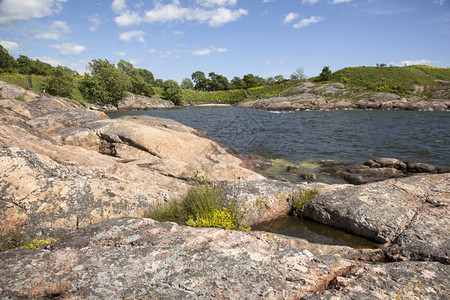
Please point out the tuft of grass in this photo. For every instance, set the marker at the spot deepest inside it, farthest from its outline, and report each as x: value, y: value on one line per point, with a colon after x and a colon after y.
x: 20, y: 98
x: 17, y: 239
x: 300, y: 198
x: 203, y: 206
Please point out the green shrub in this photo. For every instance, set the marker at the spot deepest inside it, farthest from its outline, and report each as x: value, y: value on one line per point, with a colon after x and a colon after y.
x: 17, y: 239
x: 300, y: 198
x: 217, y: 218
x: 203, y: 206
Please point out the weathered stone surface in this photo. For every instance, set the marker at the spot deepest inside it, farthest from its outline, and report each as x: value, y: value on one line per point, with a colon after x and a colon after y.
x: 140, y: 258
x: 378, y: 169
x: 138, y: 102
x: 405, y: 280
x: 307, y: 96
x: 62, y: 166
x: 412, y: 213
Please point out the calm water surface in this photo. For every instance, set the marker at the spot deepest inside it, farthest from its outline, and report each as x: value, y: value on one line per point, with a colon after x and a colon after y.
x: 297, y: 136
x: 331, y: 135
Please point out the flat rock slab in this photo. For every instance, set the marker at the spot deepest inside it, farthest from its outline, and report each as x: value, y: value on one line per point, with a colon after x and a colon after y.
x: 405, y: 280
x: 141, y: 258
x: 380, y: 211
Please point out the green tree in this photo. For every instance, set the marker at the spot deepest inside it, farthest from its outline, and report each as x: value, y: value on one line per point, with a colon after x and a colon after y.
x: 237, y: 83
x: 106, y: 83
x: 40, y: 68
x: 187, y: 84
x: 24, y: 64
x: 201, y: 82
x: 60, y: 82
x: 7, y: 62
x: 138, y: 82
x: 279, y: 78
x: 325, y: 74
x: 159, y: 83
x: 146, y: 75
x: 172, y: 92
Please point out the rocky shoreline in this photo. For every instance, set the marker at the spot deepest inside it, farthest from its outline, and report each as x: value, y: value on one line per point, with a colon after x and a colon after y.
x: 74, y: 174
x: 310, y: 96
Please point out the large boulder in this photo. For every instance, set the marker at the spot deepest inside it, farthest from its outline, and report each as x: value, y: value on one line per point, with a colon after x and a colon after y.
x: 412, y: 214
x: 138, y: 102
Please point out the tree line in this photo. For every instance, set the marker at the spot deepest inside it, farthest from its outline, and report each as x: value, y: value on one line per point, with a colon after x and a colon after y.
x: 107, y: 82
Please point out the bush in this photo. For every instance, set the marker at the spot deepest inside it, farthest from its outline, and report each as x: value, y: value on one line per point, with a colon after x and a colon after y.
x: 172, y: 92
x: 203, y: 206
x: 60, y: 82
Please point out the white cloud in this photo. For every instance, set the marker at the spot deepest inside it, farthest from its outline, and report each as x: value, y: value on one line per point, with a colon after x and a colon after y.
x: 119, y: 6
x: 311, y: 2
x: 202, y: 52
x: 267, y: 1
x: 173, y: 12
x: 55, y: 32
x: 120, y: 53
x: 211, y: 3
x: 208, y: 51
x: 340, y: 1
x: 269, y: 62
x: 10, y: 46
x: 69, y: 49
x: 439, y: 2
x: 152, y: 50
x: 127, y: 36
x: 20, y: 10
x: 290, y: 17
x: 411, y: 62
x: 309, y: 21
x: 95, y: 21
x: 223, y: 15
x: 166, y: 13
x: 128, y: 18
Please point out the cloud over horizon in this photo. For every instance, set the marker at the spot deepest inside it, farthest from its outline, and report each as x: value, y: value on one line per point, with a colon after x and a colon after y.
x: 21, y: 10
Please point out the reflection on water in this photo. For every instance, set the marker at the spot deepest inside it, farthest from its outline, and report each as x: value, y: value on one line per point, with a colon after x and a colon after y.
x: 314, y: 232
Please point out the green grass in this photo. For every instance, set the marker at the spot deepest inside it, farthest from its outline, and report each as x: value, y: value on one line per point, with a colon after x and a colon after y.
x: 399, y: 80
x: 300, y: 199
x: 17, y: 239
x: 203, y: 206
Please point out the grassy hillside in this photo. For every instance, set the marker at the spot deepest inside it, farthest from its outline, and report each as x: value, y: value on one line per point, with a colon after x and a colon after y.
x: 399, y: 80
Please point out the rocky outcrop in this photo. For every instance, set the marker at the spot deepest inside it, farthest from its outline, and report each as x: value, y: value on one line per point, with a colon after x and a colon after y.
x: 141, y: 258
x: 71, y: 167
x: 138, y: 102
x: 378, y: 169
x: 310, y: 96
x: 411, y: 215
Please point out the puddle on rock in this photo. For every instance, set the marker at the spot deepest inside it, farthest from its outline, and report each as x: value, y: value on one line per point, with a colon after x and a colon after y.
x: 314, y: 232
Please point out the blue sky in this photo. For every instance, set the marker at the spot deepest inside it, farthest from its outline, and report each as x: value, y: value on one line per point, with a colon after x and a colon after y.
x: 175, y: 38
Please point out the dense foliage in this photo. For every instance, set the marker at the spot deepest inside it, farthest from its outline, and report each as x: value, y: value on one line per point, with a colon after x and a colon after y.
x: 106, y: 83
x: 60, y: 82
x: 172, y: 92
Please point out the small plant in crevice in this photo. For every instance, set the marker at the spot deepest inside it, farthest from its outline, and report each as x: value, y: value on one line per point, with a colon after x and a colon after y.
x: 17, y: 239
x: 203, y: 206
x: 300, y: 198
